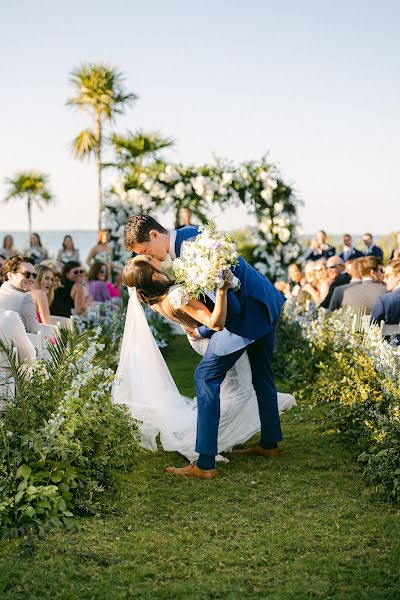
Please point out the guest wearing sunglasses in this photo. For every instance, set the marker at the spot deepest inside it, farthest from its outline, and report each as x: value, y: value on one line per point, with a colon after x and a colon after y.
x: 98, y: 276
x: 19, y: 274
x: 73, y: 293
x: 337, y: 275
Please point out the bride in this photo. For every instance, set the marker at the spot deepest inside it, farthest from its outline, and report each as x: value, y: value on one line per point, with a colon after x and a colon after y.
x: 144, y: 383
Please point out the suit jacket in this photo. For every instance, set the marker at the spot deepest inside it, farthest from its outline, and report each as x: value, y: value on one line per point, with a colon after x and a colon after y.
x: 374, y: 251
x: 21, y: 302
x: 353, y: 254
x: 253, y: 310
x: 342, y: 279
x: 337, y: 296
x: 364, y: 295
x: 387, y: 308
x: 310, y: 254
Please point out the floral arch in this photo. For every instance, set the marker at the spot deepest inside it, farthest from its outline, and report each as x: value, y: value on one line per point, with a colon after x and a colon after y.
x: 257, y: 185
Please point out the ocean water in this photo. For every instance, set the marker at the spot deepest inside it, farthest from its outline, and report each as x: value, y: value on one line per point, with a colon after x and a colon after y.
x: 52, y: 240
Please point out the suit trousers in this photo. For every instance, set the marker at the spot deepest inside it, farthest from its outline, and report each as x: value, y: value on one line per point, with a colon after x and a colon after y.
x: 208, y: 378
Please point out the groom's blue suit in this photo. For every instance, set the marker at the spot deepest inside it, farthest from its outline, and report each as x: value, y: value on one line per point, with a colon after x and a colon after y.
x: 252, y: 315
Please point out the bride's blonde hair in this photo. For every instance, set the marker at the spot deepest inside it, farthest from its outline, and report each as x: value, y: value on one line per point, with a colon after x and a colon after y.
x: 139, y: 274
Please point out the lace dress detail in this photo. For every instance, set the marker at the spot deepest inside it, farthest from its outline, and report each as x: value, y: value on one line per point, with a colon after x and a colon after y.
x: 177, y: 297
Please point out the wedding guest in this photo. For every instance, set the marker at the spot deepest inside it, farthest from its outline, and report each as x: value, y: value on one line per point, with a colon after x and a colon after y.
x: 36, y: 251
x: 19, y: 274
x: 43, y: 292
x: 387, y: 307
x: 296, y: 281
x: 185, y: 218
x: 370, y: 248
x: 13, y: 333
x: 369, y: 290
x: 117, y: 285
x: 68, y: 251
x: 319, y: 249
x: 353, y: 269
x: 98, y: 276
x: 102, y: 252
x: 73, y: 293
x: 337, y: 275
x: 56, y: 272
x: 8, y: 250
x: 396, y: 251
x: 349, y: 252
x: 317, y: 284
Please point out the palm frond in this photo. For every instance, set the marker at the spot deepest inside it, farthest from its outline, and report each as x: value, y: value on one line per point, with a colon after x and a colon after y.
x: 84, y: 144
x: 28, y: 183
x: 133, y: 147
x: 18, y: 372
x: 64, y: 352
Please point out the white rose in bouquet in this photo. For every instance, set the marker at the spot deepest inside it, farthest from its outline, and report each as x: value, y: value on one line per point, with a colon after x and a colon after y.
x: 204, y: 261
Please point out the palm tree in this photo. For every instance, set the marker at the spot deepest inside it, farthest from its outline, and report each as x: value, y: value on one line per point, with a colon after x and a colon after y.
x: 98, y: 91
x: 133, y: 149
x: 32, y: 187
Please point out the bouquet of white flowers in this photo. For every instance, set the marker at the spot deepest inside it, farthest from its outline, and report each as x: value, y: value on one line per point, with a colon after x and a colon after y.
x: 205, y: 260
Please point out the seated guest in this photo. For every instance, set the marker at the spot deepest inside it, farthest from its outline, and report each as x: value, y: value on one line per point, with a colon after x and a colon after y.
x: 337, y: 275
x: 68, y: 251
x: 43, y: 292
x: 98, y: 276
x: 387, y: 307
x: 370, y: 248
x: 369, y: 290
x: 18, y: 275
x: 349, y: 252
x: 396, y: 251
x: 296, y: 281
x: 36, y: 251
x: 317, y: 282
x: 73, y: 294
x: 115, y: 288
x: 353, y: 269
x: 8, y: 250
x: 13, y: 333
x: 319, y: 248
x: 56, y: 272
x: 102, y: 252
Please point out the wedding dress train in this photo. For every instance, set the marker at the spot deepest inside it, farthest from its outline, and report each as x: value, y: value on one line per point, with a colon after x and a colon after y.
x: 145, y: 385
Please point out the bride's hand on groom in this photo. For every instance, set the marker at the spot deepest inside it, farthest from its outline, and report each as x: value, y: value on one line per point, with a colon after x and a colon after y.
x: 191, y: 332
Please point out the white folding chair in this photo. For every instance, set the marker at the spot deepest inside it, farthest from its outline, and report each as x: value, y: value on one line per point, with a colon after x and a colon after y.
x: 62, y: 322
x: 387, y: 330
x: 7, y: 382
x: 40, y: 344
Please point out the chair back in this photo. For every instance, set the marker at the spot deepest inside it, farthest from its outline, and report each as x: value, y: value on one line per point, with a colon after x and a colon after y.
x: 62, y: 322
x: 387, y: 329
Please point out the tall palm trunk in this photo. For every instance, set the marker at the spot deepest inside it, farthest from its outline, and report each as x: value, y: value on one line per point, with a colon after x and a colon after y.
x: 29, y: 207
x: 97, y: 135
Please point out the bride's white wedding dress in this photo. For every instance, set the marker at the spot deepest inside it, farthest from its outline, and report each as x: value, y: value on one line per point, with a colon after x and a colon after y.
x: 145, y: 385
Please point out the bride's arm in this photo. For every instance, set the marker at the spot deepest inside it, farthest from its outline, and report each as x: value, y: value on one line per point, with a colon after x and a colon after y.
x: 215, y: 319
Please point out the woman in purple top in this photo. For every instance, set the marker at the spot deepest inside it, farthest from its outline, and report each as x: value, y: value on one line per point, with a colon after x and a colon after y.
x: 98, y: 276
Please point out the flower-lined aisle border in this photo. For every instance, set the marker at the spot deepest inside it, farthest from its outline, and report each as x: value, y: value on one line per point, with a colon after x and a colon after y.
x: 255, y: 184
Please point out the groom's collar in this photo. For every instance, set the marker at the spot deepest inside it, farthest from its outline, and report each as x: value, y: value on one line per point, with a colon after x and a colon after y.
x: 172, y: 240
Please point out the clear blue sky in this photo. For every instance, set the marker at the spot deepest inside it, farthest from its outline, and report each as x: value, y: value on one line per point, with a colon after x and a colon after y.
x: 315, y: 83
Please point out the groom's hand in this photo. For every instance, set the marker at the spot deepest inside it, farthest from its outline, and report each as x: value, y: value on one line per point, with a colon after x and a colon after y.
x: 191, y: 332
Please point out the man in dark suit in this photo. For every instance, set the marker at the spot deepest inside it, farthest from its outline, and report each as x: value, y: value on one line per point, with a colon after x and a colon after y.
x: 367, y: 293
x: 353, y: 269
x: 370, y: 248
x: 337, y: 275
x: 349, y: 252
x: 319, y: 249
x: 387, y: 307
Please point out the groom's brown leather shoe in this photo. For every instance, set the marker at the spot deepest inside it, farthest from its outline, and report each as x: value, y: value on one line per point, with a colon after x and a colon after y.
x: 192, y: 471
x: 256, y: 450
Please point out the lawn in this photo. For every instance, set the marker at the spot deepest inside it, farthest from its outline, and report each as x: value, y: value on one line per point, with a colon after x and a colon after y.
x: 304, y: 525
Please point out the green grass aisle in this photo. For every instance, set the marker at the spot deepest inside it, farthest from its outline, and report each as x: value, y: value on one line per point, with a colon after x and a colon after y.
x: 301, y: 526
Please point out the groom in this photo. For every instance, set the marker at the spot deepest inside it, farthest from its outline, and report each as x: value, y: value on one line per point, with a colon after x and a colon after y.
x: 252, y: 316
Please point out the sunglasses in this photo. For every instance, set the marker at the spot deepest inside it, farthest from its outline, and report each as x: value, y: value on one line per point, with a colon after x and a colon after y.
x: 28, y: 274
x: 78, y: 272
x: 333, y: 266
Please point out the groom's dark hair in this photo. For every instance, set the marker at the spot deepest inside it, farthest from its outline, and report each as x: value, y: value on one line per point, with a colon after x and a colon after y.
x: 138, y: 228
